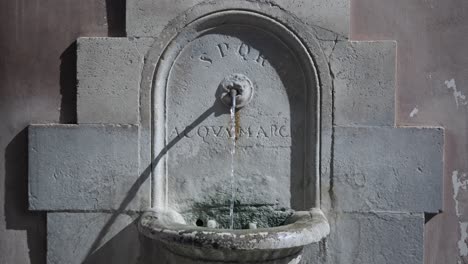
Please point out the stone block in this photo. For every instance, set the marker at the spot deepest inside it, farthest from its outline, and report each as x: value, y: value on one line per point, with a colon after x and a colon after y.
x: 92, y: 238
x: 149, y: 17
x: 109, y: 73
x: 85, y: 167
x: 364, y: 83
x: 388, y: 169
x: 384, y: 238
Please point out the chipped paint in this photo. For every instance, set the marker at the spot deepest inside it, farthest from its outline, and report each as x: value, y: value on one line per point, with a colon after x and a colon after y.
x: 460, y: 183
x: 414, y: 112
x: 458, y: 96
x: 462, y: 246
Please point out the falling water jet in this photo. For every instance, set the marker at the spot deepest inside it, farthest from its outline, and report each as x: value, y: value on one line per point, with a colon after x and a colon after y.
x: 233, y: 94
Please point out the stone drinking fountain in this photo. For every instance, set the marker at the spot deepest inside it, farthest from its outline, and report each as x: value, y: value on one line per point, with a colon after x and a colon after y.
x: 222, y: 187
x: 239, y: 133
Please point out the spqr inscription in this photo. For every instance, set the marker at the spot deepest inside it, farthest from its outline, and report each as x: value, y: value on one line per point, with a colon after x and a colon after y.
x: 244, y: 51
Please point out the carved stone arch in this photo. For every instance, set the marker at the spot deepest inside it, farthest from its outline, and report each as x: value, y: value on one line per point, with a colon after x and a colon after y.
x: 263, y: 17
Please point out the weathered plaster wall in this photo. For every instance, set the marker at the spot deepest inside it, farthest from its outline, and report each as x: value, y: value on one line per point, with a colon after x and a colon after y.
x: 37, y: 70
x: 432, y: 84
x: 37, y: 67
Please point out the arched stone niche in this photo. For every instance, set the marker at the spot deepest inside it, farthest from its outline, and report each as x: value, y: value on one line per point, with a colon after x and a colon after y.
x: 282, y: 146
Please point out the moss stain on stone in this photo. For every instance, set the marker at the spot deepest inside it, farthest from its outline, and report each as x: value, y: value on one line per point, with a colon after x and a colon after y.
x: 264, y: 215
x: 238, y: 124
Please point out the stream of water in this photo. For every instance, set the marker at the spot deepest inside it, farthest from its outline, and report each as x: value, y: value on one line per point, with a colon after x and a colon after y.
x: 233, y: 152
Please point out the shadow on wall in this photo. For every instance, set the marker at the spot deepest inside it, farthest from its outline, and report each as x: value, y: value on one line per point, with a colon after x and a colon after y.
x: 17, y: 215
x: 123, y: 248
x: 68, y: 85
x: 96, y: 250
x: 116, y: 13
x: 129, y: 247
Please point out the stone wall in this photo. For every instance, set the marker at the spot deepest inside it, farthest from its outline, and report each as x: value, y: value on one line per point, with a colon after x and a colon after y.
x: 374, y: 172
x: 371, y: 196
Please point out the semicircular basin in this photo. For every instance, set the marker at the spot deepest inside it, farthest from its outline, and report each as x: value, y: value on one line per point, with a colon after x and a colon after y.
x: 245, y: 245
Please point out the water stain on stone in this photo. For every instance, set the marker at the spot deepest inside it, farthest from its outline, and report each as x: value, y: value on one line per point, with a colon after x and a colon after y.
x: 238, y: 124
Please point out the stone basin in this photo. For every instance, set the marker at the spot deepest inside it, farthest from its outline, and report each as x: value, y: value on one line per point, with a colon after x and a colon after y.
x: 238, y: 245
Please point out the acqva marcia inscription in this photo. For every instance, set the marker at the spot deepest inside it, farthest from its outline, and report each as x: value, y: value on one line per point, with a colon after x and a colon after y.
x: 243, y: 50
x: 259, y: 131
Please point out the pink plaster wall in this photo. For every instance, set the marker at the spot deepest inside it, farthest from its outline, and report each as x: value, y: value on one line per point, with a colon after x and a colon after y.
x: 37, y: 85
x: 432, y: 40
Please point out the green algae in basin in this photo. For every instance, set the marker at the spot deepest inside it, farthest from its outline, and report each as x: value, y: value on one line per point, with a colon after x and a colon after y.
x: 264, y: 216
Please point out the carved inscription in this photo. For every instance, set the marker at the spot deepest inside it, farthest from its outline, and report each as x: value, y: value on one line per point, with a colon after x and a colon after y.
x: 206, y: 59
x: 260, y: 59
x: 246, y: 52
x: 270, y: 131
x: 223, y: 48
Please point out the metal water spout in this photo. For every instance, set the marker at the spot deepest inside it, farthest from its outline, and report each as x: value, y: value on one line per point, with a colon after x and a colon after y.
x: 238, y: 87
x: 233, y: 94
